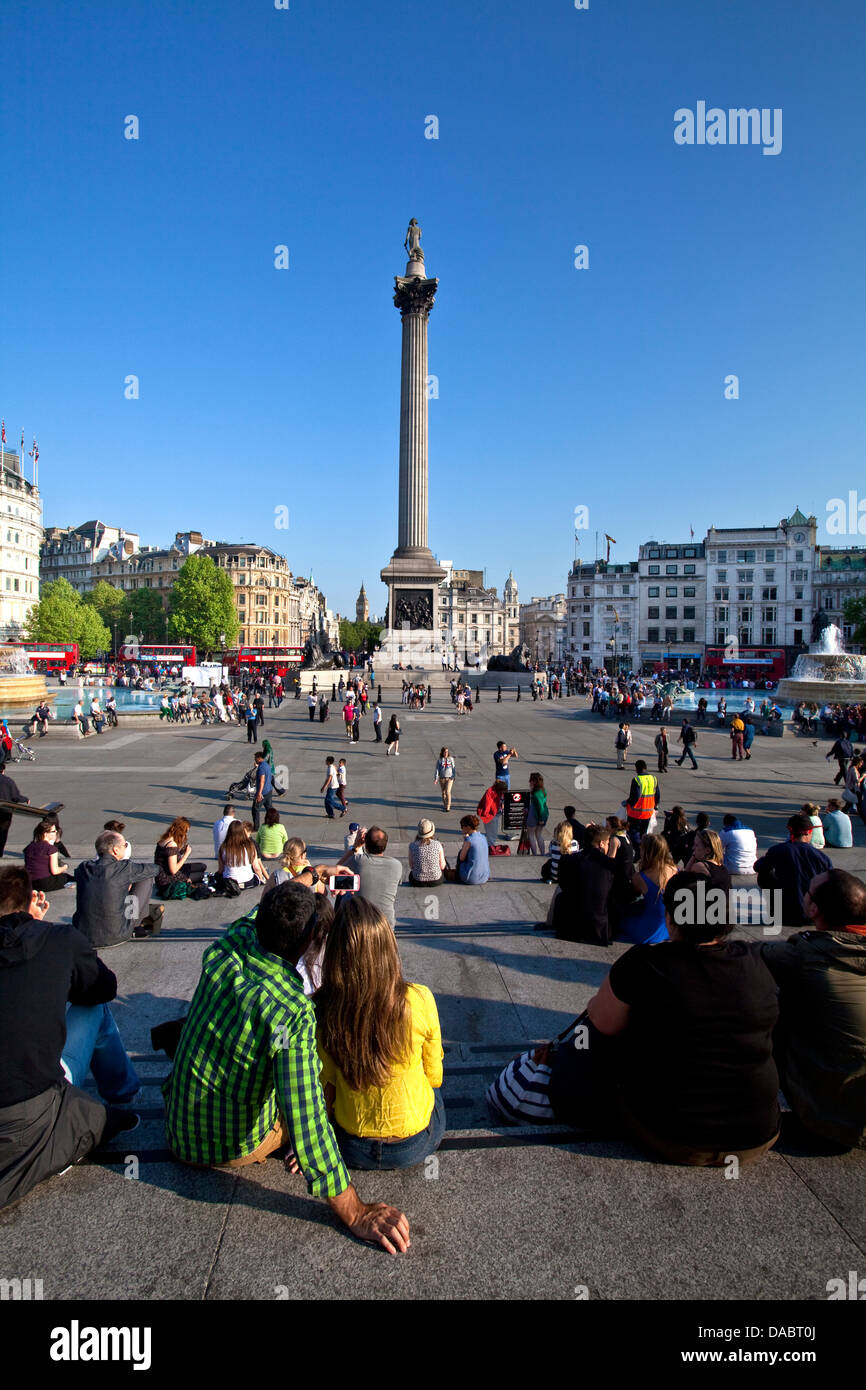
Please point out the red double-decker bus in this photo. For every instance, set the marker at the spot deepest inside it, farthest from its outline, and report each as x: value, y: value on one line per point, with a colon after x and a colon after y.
x: 745, y: 663
x: 49, y: 656
x: 157, y: 654
x: 280, y: 659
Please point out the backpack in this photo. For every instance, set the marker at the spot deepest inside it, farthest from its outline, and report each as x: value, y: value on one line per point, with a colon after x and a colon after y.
x: 174, y: 892
x: 621, y: 740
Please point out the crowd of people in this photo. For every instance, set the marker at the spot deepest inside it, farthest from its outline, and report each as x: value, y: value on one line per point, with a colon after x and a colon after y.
x: 328, y: 1054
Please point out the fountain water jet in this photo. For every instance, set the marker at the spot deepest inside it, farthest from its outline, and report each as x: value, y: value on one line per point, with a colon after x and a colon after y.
x: 826, y: 673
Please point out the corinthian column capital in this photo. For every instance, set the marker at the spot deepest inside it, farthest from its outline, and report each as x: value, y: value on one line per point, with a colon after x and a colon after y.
x: 413, y: 295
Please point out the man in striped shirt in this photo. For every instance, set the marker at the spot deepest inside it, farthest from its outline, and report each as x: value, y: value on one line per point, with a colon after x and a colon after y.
x: 245, y: 1080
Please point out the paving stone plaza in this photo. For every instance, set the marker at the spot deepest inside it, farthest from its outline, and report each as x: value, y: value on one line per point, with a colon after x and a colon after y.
x: 503, y: 1213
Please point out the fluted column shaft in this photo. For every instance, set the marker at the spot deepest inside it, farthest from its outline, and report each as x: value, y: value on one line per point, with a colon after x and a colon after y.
x: 414, y: 296
x: 412, y: 524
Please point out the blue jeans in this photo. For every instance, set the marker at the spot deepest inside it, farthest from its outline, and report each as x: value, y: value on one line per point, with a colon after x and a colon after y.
x: 687, y: 753
x: 93, y: 1044
x: 402, y: 1153
x: 332, y: 802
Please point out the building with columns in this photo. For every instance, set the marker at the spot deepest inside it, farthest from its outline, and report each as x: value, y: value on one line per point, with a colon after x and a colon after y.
x: 839, y: 574
x: 544, y: 627
x: 20, y: 540
x: 473, y: 622
x: 316, y: 620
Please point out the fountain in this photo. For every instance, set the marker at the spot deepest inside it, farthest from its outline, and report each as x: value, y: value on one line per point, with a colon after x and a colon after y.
x: 826, y: 673
x: 20, y: 687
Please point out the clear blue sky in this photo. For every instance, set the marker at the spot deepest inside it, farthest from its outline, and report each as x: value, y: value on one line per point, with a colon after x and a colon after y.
x: 262, y: 388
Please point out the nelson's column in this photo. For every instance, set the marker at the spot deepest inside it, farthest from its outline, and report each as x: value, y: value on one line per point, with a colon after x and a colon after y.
x: 412, y: 575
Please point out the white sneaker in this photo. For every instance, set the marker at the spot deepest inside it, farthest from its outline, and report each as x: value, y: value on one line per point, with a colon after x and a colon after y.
x: 396, y: 752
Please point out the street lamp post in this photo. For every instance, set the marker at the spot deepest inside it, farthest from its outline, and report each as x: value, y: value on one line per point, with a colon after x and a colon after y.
x: 611, y: 642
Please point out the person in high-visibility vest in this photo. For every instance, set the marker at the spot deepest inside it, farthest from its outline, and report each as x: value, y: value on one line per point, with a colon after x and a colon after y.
x: 641, y: 802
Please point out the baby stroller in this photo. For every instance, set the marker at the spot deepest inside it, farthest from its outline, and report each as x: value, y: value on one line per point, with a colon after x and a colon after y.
x: 245, y: 786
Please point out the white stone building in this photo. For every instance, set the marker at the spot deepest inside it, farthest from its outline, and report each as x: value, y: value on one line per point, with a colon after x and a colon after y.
x: 315, y: 617
x: 544, y: 627
x: 671, y: 621
x: 472, y: 620
x: 602, y: 614
x: 21, y: 537
x: 74, y: 553
x: 760, y: 585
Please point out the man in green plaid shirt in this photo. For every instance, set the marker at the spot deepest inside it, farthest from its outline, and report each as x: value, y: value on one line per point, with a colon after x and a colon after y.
x: 245, y: 1080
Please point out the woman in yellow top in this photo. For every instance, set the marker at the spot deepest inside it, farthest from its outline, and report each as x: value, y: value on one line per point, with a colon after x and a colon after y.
x: 380, y: 1046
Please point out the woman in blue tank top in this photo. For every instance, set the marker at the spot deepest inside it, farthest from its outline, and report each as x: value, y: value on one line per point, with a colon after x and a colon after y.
x: 643, y: 922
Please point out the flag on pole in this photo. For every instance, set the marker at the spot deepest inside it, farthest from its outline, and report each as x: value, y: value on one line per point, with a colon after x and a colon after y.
x: 3, y: 444
x: 692, y: 532
x: 3, y: 431
x: 34, y: 454
x: 610, y: 541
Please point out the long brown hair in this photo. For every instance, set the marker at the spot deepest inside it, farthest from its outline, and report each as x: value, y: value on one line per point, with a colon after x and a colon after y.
x: 236, y: 848
x: 364, y: 1019
x: 177, y: 831
x: 713, y: 845
x: 655, y: 857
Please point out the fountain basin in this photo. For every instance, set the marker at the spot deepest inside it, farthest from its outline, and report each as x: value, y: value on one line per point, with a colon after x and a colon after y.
x: 17, y: 692
x: 792, y: 691
x: 837, y: 677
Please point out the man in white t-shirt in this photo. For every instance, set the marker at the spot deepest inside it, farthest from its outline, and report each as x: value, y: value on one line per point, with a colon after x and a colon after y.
x: 740, y: 846
x: 220, y: 829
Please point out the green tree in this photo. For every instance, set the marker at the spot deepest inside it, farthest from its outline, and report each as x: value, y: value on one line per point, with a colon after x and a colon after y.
x: 61, y: 615
x: 52, y: 619
x: 148, y: 614
x: 855, y: 614
x: 372, y: 635
x: 108, y: 601
x: 91, y: 633
x: 201, y: 605
x: 356, y: 637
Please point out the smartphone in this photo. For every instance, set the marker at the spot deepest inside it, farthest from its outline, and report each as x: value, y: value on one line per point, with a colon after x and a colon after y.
x: 345, y: 883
